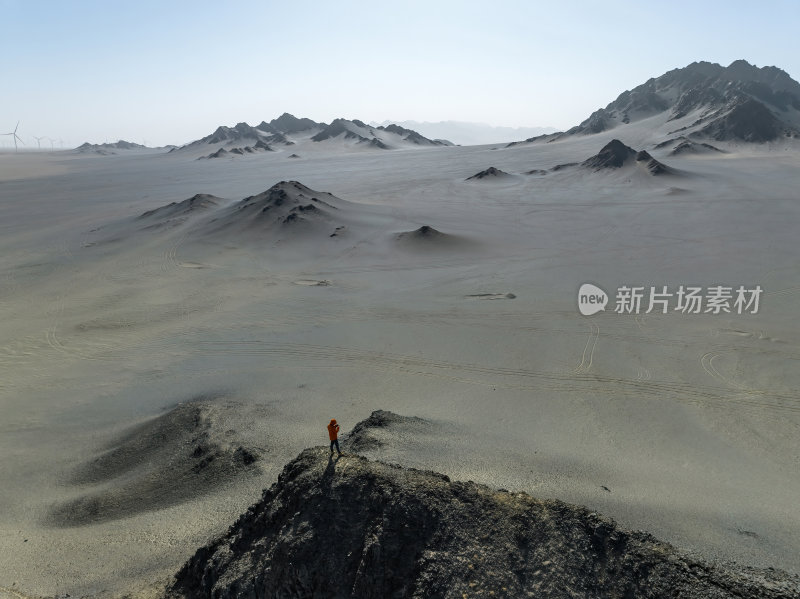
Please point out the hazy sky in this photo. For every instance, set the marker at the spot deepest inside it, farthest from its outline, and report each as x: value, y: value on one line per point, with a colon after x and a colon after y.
x: 170, y: 71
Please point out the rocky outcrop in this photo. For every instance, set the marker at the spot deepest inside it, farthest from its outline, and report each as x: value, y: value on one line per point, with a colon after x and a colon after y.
x: 612, y: 155
x: 350, y: 527
x: 489, y: 173
x: 363, y: 437
x: 615, y: 155
x: 287, y: 202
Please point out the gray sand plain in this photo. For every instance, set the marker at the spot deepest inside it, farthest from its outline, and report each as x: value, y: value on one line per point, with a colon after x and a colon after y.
x: 133, y: 349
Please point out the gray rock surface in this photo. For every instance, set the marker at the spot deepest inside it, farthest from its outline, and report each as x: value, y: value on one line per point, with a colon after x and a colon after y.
x: 350, y: 527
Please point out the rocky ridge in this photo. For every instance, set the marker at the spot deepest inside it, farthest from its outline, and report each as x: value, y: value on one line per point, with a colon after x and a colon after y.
x: 740, y: 103
x: 351, y: 527
x: 287, y: 130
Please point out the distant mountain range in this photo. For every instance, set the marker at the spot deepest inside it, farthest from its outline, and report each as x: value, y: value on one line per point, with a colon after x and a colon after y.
x: 703, y: 100
x: 287, y: 130
x: 472, y: 134
x: 109, y: 148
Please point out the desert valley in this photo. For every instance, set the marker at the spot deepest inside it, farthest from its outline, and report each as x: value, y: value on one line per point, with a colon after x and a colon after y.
x: 180, y: 323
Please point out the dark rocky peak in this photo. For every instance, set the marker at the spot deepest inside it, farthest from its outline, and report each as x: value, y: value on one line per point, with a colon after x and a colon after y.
x: 351, y: 527
x: 288, y: 123
x: 244, y: 128
x: 287, y: 194
x: 426, y: 231
x: 613, y: 155
x: 338, y: 127
x: 773, y: 77
x: 711, y: 91
x: 236, y: 133
x: 268, y: 128
x: 702, y: 68
x: 397, y: 129
x: 489, y: 173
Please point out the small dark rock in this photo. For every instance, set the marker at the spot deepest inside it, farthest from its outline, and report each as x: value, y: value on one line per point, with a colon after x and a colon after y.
x: 490, y: 172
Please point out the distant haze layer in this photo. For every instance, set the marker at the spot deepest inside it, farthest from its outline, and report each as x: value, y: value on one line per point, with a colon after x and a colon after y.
x: 471, y: 134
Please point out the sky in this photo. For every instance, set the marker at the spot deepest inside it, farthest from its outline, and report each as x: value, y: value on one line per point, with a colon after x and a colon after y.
x: 169, y: 72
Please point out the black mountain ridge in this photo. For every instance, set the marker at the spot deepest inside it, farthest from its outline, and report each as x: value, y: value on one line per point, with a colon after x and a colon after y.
x: 278, y: 132
x: 108, y: 147
x: 740, y: 102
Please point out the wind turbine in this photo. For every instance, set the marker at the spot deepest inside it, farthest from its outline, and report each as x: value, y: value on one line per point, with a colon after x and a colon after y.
x: 16, y: 137
x: 39, y: 140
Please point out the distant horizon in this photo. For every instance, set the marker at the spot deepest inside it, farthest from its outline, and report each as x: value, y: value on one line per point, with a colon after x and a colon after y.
x: 159, y: 74
x: 47, y: 146
x: 60, y: 144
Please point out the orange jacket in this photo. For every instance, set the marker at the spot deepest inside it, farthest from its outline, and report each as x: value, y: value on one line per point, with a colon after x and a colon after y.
x: 333, y: 430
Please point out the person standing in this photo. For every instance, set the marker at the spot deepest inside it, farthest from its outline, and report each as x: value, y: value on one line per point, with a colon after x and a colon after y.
x: 333, y: 433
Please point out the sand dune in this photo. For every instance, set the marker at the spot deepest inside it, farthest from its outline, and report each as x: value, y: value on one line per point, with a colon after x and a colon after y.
x: 171, y: 459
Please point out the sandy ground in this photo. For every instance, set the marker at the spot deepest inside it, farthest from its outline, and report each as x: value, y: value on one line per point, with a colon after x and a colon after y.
x: 682, y: 425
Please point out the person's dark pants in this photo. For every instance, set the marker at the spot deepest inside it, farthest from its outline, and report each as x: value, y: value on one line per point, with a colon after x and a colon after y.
x: 335, y: 442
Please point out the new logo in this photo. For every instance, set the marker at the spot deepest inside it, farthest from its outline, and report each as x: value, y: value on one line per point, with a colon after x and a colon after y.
x: 591, y: 299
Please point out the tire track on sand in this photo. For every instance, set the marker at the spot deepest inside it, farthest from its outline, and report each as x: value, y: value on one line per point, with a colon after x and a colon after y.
x: 512, y: 378
x: 12, y: 593
x: 588, y: 350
